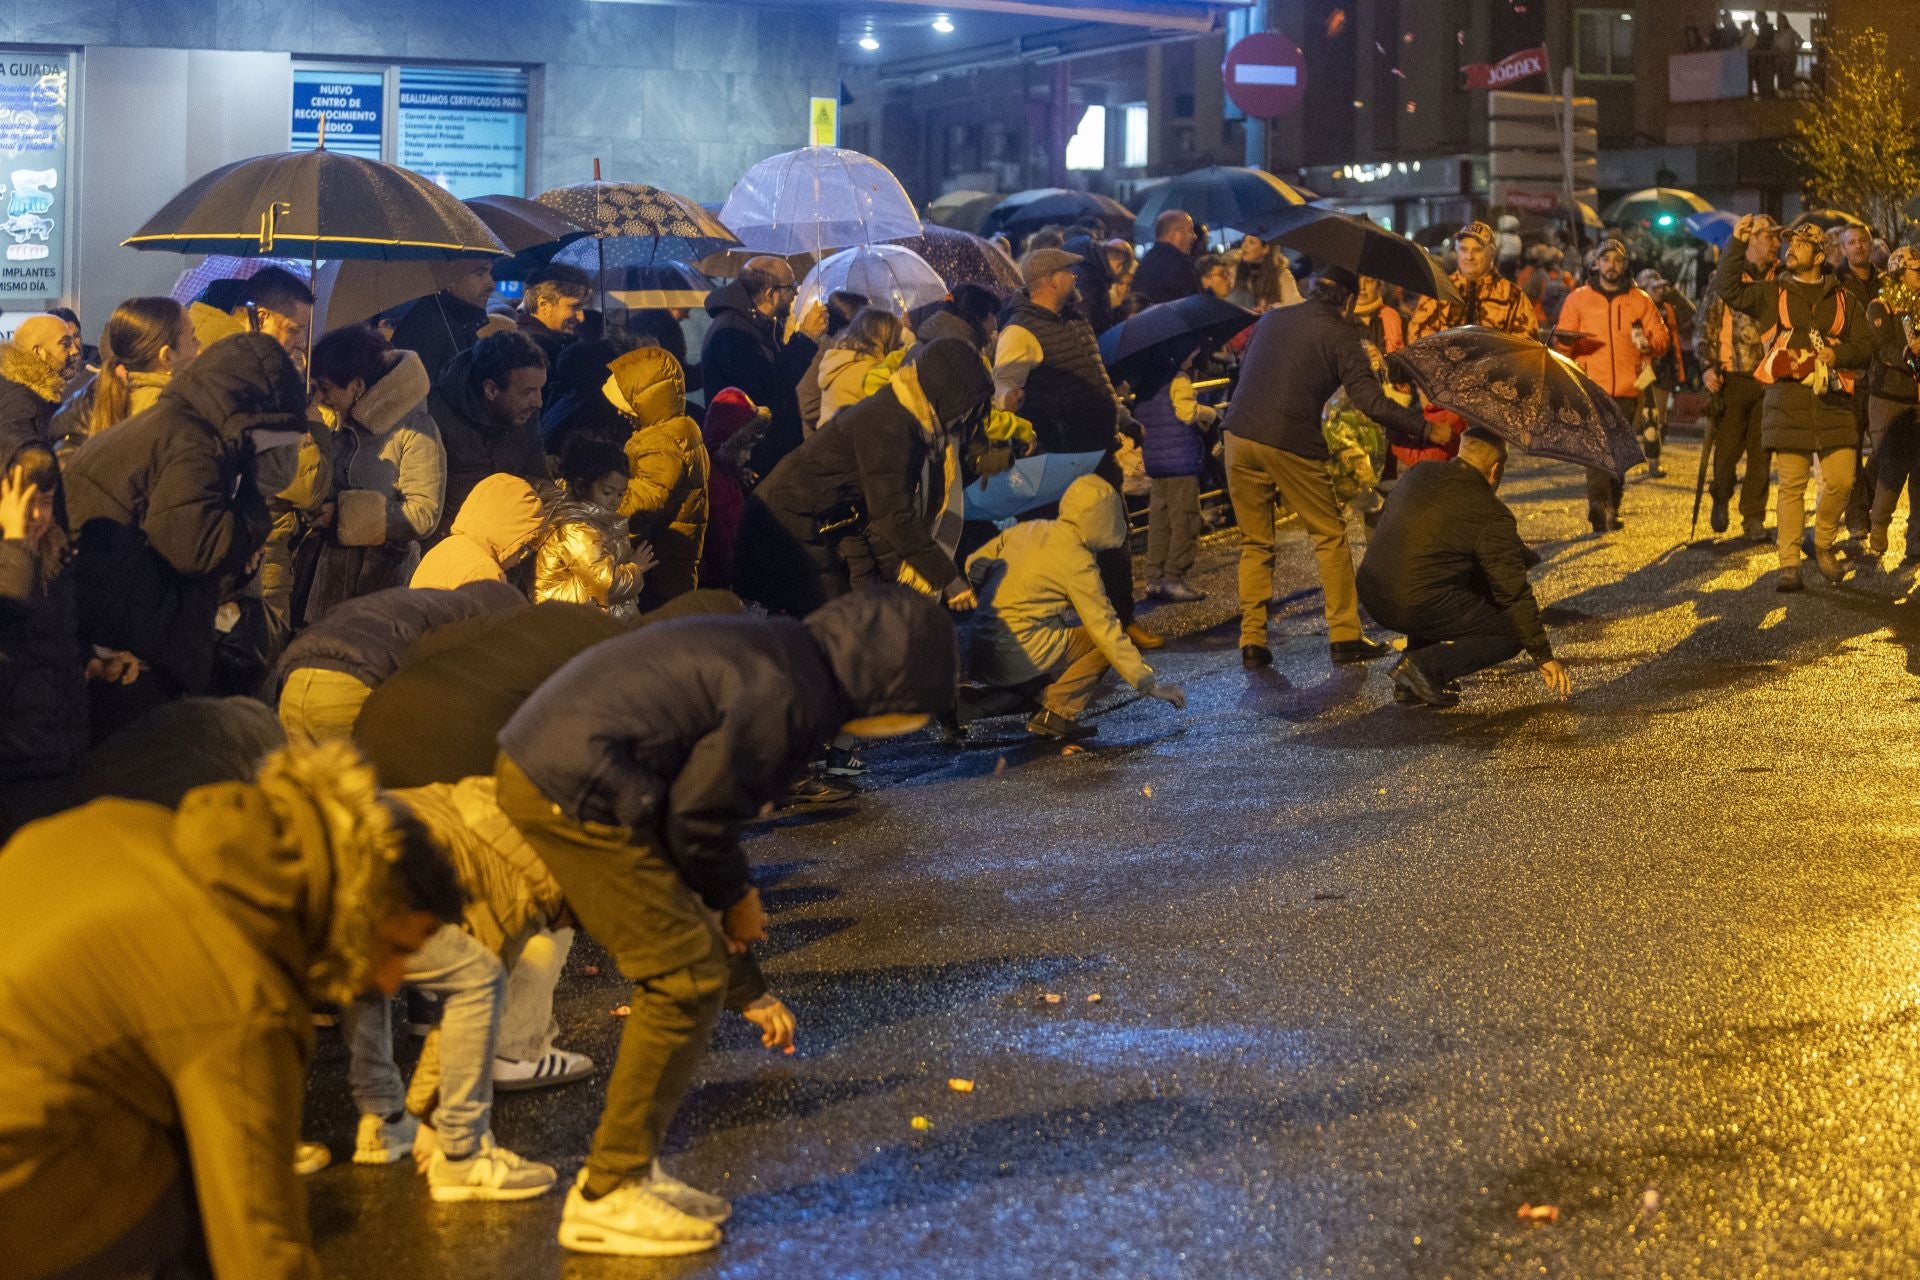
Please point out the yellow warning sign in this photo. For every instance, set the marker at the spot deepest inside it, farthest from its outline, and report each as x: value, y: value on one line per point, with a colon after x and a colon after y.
x: 825, y: 117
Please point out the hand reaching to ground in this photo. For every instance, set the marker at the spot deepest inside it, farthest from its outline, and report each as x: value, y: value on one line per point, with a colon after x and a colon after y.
x: 744, y: 922
x: 1554, y: 674
x: 775, y: 1021
x: 1171, y: 694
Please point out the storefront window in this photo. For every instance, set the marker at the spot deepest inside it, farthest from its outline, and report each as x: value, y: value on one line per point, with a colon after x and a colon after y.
x: 464, y: 128
x: 35, y: 161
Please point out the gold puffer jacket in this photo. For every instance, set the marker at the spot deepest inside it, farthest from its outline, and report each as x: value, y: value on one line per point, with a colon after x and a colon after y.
x: 667, y: 464
x: 583, y: 560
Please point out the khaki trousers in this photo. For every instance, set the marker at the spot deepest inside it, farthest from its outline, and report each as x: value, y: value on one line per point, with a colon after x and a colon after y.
x: 634, y: 903
x: 1790, y: 513
x: 1257, y: 474
x: 1081, y: 673
x: 317, y: 705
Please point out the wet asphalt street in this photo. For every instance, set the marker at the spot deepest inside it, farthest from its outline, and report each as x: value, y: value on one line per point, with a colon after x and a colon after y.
x: 1369, y: 978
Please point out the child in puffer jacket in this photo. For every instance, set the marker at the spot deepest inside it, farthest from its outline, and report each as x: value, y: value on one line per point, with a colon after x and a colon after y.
x: 1173, y: 427
x: 586, y: 556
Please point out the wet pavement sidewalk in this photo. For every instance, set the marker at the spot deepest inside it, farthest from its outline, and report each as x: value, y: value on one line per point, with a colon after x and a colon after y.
x: 1369, y: 978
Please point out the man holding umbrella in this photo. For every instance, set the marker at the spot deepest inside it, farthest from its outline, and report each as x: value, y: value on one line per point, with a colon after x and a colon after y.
x: 1823, y: 340
x: 1275, y: 450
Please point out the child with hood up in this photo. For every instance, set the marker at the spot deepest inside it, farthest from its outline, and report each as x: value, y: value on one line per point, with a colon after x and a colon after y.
x: 666, y: 498
x: 496, y: 529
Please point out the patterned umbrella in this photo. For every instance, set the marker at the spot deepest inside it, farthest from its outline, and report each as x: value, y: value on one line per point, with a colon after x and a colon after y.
x: 818, y: 198
x: 224, y: 266
x: 635, y: 225
x: 1529, y: 394
x: 961, y: 258
x: 316, y: 204
x: 1219, y: 196
x: 885, y: 274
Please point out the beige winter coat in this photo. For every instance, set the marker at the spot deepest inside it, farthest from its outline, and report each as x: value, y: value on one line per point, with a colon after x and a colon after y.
x: 1038, y: 584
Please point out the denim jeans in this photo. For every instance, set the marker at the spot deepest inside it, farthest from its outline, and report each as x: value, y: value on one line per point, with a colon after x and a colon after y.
x: 470, y: 984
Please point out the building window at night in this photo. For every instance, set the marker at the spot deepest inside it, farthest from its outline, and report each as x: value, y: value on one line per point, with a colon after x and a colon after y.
x: 1133, y: 137
x: 1603, y: 44
x: 1087, y: 149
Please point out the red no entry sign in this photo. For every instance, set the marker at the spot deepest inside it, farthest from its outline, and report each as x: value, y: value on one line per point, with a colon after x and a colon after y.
x: 1265, y: 74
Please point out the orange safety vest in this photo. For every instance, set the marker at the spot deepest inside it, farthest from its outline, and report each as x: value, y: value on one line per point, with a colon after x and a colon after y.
x: 1782, y: 362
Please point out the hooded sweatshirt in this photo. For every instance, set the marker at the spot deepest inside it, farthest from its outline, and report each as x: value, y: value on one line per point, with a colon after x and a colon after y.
x: 843, y: 379
x: 666, y: 500
x: 499, y: 519
x: 154, y: 976
x: 683, y: 730
x: 1039, y: 583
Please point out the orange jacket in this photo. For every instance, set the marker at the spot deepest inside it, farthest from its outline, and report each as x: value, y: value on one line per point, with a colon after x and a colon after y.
x: 1609, y: 356
x: 1495, y: 302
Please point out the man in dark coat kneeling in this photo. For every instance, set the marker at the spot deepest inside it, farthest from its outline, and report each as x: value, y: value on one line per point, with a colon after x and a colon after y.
x: 1447, y: 567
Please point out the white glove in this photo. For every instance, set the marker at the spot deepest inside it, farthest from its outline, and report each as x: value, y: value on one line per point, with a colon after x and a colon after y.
x: 1171, y: 694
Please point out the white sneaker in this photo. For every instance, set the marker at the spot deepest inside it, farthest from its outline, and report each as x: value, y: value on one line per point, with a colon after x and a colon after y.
x: 491, y: 1173
x: 689, y: 1200
x: 631, y: 1220
x: 310, y: 1158
x: 554, y: 1067
x: 378, y: 1142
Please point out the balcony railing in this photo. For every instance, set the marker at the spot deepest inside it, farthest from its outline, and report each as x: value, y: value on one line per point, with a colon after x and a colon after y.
x: 1722, y: 75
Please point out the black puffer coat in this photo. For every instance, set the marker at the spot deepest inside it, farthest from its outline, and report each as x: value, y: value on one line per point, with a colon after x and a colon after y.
x: 368, y: 638
x: 476, y: 445
x: 43, y: 689
x: 165, y: 509
x: 683, y: 731
x: 743, y: 349
x: 871, y: 458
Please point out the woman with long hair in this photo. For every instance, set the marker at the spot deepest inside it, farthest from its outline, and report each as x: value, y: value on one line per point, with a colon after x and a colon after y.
x: 146, y: 341
x: 869, y: 338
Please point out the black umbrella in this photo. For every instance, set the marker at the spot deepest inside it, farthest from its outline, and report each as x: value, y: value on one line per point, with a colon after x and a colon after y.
x: 1332, y: 238
x: 961, y: 258
x: 317, y: 204
x: 1244, y: 199
x: 1170, y: 330
x: 1028, y: 211
x: 531, y: 232
x: 1529, y: 394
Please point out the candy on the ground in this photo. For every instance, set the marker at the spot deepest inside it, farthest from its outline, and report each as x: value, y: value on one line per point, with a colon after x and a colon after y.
x: 1537, y: 1213
x: 1000, y: 766
x: 1051, y: 998
x: 1147, y: 791
x: 622, y: 1010
x: 591, y: 970
x: 1070, y: 751
x: 960, y: 1086
x: 921, y: 1122
x: 1094, y: 998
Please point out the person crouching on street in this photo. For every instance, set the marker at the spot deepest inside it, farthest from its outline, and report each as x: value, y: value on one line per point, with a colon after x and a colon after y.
x: 1447, y: 567
x: 1045, y: 619
x: 631, y: 772
x: 156, y: 971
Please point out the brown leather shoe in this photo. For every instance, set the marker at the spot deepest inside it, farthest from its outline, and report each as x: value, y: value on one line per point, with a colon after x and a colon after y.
x: 1145, y: 639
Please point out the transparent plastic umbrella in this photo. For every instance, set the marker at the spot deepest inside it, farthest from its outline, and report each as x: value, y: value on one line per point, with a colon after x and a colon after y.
x: 224, y: 266
x: 818, y: 198
x: 885, y: 274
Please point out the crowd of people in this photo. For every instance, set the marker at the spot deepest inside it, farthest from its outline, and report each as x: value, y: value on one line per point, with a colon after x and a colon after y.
x: 387, y: 657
